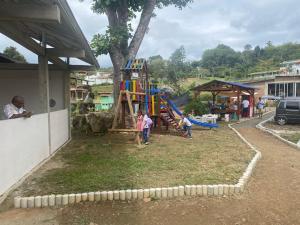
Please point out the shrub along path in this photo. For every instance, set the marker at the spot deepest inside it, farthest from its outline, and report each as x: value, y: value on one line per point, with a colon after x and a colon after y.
x: 271, y: 197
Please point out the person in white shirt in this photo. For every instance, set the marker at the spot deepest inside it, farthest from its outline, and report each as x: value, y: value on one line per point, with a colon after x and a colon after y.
x: 186, y: 125
x: 245, y: 104
x: 145, y: 127
x: 16, y: 109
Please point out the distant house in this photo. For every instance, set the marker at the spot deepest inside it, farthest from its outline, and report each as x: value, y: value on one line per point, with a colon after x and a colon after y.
x: 100, y: 78
x: 37, y: 25
x: 103, y: 101
x: 280, y: 83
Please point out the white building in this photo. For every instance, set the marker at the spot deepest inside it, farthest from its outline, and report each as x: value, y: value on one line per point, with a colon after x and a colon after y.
x: 100, y: 78
x: 48, y: 29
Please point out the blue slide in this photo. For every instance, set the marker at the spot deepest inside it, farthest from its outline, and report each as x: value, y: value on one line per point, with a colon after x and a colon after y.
x: 174, y: 107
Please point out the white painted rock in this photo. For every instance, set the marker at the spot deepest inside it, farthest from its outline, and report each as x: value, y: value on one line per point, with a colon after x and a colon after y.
x: 65, y: 199
x: 122, y: 195
x: 210, y: 190
x: 110, y: 195
x: 158, y: 192
x: 37, y: 201
x: 84, y: 197
x: 204, y: 190
x: 71, y: 198
x: 175, y: 191
x: 17, y: 202
x: 221, y: 189
x: 170, y: 192
x: 91, y: 196
x: 225, y: 189
x: 24, y: 203
x: 146, y: 193
x: 51, y: 200
x: 45, y: 200
x: 216, y: 190
x: 199, y: 190
x: 193, y: 190
x: 97, y: 196
x: 30, y: 202
x: 181, y: 191
x: 152, y: 192
x: 187, y: 189
x: 103, y: 195
x: 78, y: 198
x: 237, y: 188
x: 58, y: 199
x: 231, y: 189
x: 164, y: 192
x: 134, y: 194
x: 140, y: 194
x: 128, y: 194
x: 116, y: 195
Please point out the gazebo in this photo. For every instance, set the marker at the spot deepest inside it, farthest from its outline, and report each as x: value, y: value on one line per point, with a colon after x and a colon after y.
x: 232, y: 89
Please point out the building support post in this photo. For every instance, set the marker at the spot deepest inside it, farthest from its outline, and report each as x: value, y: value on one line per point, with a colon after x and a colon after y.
x: 67, y: 104
x: 44, y: 92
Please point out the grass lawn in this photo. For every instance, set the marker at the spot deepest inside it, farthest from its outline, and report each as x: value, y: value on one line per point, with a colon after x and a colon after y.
x: 292, y: 137
x: 113, y: 162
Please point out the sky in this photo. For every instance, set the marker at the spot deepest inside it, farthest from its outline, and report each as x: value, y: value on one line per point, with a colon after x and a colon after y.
x: 202, y: 25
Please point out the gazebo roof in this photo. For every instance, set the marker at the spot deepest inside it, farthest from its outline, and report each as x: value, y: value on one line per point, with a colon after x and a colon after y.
x: 29, y: 22
x: 218, y: 86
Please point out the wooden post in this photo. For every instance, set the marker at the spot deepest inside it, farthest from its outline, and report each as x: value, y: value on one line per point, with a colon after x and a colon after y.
x: 123, y: 114
x: 239, y: 103
x: 132, y: 117
x: 115, y: 122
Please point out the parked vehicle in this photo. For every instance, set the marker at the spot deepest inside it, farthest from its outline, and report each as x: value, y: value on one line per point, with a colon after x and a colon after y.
x: 288, y: 111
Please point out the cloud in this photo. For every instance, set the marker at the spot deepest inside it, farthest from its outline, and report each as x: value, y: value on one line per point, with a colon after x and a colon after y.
x: 203, y: 24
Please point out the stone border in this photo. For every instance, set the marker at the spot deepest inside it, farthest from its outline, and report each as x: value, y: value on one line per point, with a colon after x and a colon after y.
x: 270, y: 131
x: 139, y: 194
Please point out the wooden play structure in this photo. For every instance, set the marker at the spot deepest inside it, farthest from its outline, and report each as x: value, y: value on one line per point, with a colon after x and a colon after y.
x: 137, y: 92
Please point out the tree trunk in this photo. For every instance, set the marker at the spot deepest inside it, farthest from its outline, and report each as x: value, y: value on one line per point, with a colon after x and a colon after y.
x: 142, y: 28
x: 118, y: 54
x: 117, y: 60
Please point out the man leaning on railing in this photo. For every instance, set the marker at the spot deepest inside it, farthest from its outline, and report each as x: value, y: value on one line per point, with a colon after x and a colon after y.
x: 16, y: 109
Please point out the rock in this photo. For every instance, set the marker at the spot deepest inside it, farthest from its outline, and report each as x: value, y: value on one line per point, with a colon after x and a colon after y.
x: 100, y: 122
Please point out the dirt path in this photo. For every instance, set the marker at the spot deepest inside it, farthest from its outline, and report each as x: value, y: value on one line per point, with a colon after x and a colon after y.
x: 271, y: 197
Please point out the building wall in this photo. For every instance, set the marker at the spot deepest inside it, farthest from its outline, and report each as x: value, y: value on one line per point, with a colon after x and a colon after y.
x: 25, y: 144
x: 262, y: 86
x: 25, y: 83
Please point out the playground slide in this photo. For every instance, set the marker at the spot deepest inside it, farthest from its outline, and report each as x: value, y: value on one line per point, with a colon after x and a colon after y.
x: 209, y: 125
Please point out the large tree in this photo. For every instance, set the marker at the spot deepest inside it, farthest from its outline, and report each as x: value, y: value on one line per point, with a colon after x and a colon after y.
x: 120, y: 41
x: 12, y: 53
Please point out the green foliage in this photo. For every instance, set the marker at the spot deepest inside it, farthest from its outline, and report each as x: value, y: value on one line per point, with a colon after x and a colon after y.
x: 12, y: 53
x: 197, y: 106
x: 223, y: 61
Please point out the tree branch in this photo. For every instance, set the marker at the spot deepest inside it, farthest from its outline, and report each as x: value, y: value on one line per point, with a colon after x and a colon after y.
x: 142, y: 28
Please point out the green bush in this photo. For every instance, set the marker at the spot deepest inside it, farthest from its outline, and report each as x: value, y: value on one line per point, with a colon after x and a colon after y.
x: 197, y: 106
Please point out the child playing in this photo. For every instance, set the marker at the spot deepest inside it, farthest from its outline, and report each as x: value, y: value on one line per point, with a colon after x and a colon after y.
x: 145, y: 129
x: 150, y: 122
x: 139, y: 123
x: 186, y: 125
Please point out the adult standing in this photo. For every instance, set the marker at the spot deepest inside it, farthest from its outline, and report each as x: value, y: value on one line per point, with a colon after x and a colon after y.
x: 15, y: 109
x: 260, y: 106
x: 245, y: 104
